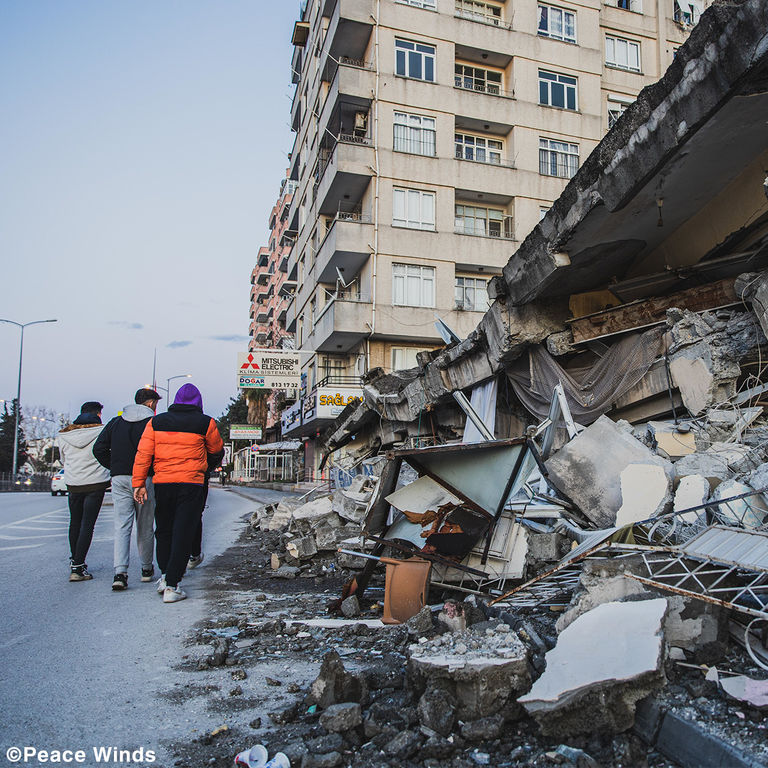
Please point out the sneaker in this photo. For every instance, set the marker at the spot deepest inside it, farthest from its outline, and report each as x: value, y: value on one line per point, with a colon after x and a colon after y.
x: 120, y: 582
x: 195, y: 560
x: 79, y: 573
x: 161, y: 585
x: 173, y: 595
x: 147, y: 574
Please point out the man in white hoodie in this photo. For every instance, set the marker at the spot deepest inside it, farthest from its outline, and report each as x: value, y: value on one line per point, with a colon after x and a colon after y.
x: 86, y: 482
x: 115, y: 449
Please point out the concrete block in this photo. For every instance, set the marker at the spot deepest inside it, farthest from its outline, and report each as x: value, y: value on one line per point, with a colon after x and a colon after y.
x: 544, y: 547
x: 737, y: 457
x: 350, y: 607
x: 747, y: 512
x: 693, y: 491
x: 341, y: 718
x: 303, y: 548
x: 645, y: 492
x: 349, y: 505
x: 335, y: 685
x: 328, y: 539
x: 704, y: 464
x: 594, y: 675
x: 587, y: 469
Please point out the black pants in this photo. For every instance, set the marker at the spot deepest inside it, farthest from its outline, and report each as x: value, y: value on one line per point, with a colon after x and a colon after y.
x: 83, y: 512
x: 178, y: 510
x: 197, y: 540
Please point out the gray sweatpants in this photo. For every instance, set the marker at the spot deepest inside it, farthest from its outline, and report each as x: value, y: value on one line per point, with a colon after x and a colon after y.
x: 125, y: 511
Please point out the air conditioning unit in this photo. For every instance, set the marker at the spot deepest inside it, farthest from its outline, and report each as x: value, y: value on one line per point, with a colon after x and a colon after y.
x: 361, y: 122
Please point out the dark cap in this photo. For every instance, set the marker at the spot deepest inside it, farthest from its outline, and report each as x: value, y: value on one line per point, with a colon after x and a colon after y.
x: 144, y: 394
x: 92, y: 406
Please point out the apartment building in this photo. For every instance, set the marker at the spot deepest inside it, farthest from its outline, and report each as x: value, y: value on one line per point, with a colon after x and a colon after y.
x: 271, y: 289
x: 431, y: 136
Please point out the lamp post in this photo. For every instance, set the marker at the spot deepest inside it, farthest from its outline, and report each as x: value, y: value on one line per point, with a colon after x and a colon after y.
x: 168, y: 386
x: 18, y: 389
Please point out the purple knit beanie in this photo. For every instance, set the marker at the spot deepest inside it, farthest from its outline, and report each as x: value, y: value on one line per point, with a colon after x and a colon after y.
x: 189, y: 394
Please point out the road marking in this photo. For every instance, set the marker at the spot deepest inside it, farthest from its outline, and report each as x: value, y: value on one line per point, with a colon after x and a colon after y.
x: 34, y: 517
x: 22, y: 546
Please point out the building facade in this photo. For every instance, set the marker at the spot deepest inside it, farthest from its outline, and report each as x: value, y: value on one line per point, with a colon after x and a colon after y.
x: 431, y: 137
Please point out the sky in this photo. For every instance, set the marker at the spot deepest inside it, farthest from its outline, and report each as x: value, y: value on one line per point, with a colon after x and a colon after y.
x: 142, y: 146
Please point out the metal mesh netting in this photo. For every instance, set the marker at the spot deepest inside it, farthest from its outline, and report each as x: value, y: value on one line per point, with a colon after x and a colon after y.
x: 590, y: 390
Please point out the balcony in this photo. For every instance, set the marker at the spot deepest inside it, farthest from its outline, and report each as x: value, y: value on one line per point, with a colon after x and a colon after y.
x: 350, y: 90
x: 261, y: 316
x: 491, y: 89
x: 283, y: 264
x: 492, y: 15
x: 262, y: 278
x: 349, y: 30
x: 263, y: 257
x: 497, y: 229
x: 342, y: 324
x: 344, y: 174
x: 345, y: 247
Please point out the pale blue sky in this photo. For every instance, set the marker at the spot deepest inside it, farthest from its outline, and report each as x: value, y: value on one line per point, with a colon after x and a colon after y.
x: 142, y: 145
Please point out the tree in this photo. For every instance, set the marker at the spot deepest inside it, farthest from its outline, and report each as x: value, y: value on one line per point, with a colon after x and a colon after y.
x: 7, y: 429
x: 235, y: 413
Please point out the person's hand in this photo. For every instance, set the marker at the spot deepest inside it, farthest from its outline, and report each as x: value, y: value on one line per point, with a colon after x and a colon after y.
x: 140, y: 495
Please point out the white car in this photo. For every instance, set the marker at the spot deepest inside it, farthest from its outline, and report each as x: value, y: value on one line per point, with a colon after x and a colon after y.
x: 57, y: 484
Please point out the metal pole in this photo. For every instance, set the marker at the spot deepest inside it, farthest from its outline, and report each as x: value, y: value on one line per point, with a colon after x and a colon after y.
x: 18, y: 409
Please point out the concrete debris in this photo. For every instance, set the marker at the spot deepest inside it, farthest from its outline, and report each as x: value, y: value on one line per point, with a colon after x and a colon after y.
x: 707, y: 465
x: 483, y: 671
x: 645, y: 493
x: 587, y: 469
x: 594, y: 678
x: 747, y: 690
x: 340, y: 718
x: 692, y: 491
x: 742, y: 512
x: 671, y: 441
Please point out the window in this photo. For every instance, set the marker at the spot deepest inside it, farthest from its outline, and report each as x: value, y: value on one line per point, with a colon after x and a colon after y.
x: 558, y: 158
x: 485, y: 222
x: 413, y: 286
x: 475, y: 10
x: 413, y: 208
x: 419, y: 3
x: 630, y: 5
x: 478, y: 148
x: 313, y: 311
x: 477, y: 79
x: 471, y: 294
x: 405, y: 357
x: 557, y: 23
x: 617, y: 106
x: 687, y: 14
x: 415, y: 60
x: 557, y: 90
x: 414, y: 134
x: 621, y: 53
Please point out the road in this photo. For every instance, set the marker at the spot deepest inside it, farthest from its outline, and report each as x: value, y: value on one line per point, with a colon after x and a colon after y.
x: 83, y: 666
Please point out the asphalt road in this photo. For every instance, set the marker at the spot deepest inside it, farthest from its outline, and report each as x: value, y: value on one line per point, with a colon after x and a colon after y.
x: 82, y: 666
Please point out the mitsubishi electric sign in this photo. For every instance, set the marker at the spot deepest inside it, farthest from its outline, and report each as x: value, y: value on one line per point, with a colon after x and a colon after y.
x: 269, y: 369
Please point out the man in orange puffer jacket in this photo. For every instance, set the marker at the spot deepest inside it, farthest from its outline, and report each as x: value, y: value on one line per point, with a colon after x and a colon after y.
x: 180, y: 444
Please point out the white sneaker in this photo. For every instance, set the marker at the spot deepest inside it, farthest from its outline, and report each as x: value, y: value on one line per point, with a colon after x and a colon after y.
x: 195, y: 561
x: 161, y: 585
x: 173, y: 595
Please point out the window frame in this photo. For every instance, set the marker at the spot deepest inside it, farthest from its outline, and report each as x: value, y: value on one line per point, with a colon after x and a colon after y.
x: 551, y: 35
x: 426, y: 5
x: 495, y: 222
x: 402, y: 287
x: 618, y: 105
x: 408, y: 53
x: 611, y: 43
x: 406, y: 353
x: 550, y: 149
x: 408, y: 139
x: 460, y: 80
x: 475, y: 304
x: 557, y: 79
x: 483, y: 18
x: 462, y: 147
x: 409, y: 200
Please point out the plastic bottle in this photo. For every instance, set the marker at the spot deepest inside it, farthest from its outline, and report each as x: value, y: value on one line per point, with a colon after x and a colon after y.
x: 255, y: 757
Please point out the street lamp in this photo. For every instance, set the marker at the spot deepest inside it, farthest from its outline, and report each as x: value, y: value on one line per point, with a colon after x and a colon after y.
x: 168, y: 386
x: 18, y: 390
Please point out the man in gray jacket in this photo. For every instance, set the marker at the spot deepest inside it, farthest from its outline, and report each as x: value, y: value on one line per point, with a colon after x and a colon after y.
x: 115, y: 448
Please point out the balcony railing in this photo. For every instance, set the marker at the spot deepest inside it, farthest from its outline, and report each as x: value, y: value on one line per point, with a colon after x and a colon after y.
x: 327, y: 155
x: 490, y: 88
x: 486, y: 159
x: 482, y: 18
x: 336, y: 379
x: 497, y: 229
x: 350, y: 62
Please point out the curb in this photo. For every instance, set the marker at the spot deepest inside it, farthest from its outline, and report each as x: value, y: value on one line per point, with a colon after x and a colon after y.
x: 685, y: 741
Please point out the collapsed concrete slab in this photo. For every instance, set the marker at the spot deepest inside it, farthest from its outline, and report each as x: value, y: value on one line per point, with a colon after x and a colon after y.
x: 692, y: 491
x: 707, y: 465
x: 603, y: 663
x: 587, y: 469
x: 645, y: 493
